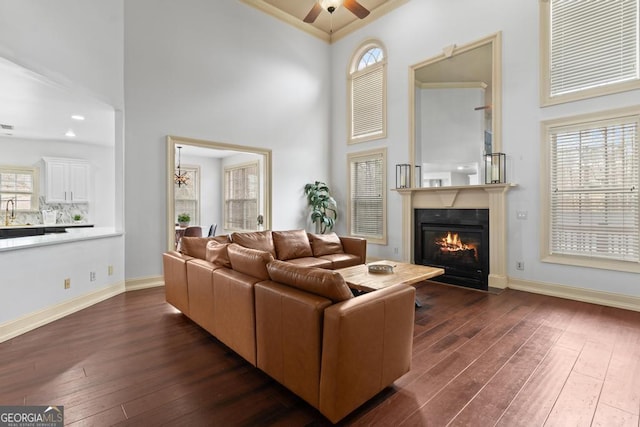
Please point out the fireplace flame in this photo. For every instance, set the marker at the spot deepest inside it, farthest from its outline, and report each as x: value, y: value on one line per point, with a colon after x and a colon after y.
x: 452, y: 243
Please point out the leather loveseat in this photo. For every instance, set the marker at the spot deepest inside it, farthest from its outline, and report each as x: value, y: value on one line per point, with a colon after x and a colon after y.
x: 298, y: 323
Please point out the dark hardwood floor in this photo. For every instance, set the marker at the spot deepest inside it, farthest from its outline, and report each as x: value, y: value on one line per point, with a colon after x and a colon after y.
x: 479, y: 359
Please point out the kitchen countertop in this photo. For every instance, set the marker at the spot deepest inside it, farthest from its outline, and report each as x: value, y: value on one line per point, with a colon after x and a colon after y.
x: 75, y: 232
x: 45, y: 226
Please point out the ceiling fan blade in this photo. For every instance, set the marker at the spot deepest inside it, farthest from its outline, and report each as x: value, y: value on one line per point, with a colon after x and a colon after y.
x: 356, y: 8
x: 313, y: 13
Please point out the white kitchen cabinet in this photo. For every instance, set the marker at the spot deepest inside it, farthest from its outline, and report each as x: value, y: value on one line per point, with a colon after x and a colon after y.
x: 66, y: 180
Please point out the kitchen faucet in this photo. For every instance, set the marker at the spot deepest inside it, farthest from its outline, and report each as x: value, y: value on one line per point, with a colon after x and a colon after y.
x: 8, y: 219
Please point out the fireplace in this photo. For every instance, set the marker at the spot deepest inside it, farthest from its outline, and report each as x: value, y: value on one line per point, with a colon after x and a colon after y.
x: 456, y: 240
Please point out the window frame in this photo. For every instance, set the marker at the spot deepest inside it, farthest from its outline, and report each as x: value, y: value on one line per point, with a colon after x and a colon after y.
x: 555, y: 126
x: 545, y: 67
x: 361, y: 156
x: 35, y: 190
x: 227, y: 168
x: 352, y: 74
x: 193, y: 172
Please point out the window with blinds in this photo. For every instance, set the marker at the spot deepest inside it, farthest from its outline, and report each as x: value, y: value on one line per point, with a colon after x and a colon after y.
x: 187, y: 197
x: 367, y: 202
x: 591, y: 48
x: 594, y: 183
x: 241, y: 187
x: 367, y: 82
x: 18, y: 184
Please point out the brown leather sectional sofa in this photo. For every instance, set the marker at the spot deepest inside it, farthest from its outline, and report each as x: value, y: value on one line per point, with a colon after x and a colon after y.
x: 263, y: 295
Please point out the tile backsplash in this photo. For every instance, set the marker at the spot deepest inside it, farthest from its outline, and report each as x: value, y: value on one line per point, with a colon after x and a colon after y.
x: 65, y: 213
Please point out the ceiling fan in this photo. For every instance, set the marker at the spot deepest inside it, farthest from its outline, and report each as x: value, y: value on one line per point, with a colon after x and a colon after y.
x: 331, y: 5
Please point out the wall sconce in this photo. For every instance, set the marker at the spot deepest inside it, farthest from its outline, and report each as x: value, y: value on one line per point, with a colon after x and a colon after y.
x: 495, y: 168
x: 403, y: 175
x: 418, y: 177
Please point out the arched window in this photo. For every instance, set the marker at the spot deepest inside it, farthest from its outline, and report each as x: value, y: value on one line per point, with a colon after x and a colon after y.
x: 368, y: 93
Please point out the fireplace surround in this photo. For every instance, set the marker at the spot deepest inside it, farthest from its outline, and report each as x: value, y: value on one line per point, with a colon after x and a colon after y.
x: 456, y: 240
x: 489, y: 196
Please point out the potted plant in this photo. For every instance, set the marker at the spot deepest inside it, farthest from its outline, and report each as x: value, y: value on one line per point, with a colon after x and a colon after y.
x: 77, y: 219
x: 324, y: 210
x: 184, y: 219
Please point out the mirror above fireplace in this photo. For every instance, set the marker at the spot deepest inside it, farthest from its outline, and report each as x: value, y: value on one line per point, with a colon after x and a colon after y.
x: 455, y: 112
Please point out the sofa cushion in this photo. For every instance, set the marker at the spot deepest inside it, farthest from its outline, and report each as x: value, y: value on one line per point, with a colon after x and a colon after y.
x: 194, y: 246
x: 325, y: 283
x: 325, y: 244
x: 217, y: 254
x: 291, y: 244
x: 341, y: 260
x: 310, y: 261
x: 261, y: 240
x: 252, y: 262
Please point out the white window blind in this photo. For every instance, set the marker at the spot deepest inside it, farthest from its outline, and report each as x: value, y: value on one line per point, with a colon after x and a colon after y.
x: 368, y: 103
x: 594, y: 190
x: 241, y: 187
x: 367, y: 201
x: 593, y: 43
x: 18, y: 184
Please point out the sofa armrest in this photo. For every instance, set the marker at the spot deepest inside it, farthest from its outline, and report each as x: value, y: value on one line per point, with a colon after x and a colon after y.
x: 174, y: 266
x: 355, y: 246
x: 367, y: 343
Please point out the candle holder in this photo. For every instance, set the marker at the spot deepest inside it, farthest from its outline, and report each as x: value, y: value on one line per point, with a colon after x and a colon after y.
x: 418, y: 177
x: 495, y: 168
x: 403, y: 175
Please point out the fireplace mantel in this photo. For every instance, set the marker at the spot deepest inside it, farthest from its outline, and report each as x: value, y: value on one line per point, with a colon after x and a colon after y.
x: 490, y: 196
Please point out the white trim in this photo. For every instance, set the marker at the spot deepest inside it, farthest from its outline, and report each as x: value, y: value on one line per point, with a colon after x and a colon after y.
x: 31, y: 321
x: 609, y: 299
x: 143, y: 283
x: 34, y: 320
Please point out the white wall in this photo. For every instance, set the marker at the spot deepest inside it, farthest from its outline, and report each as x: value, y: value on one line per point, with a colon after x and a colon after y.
x: 428, y: 26
x: 79, y: 44
x: 225, y: 72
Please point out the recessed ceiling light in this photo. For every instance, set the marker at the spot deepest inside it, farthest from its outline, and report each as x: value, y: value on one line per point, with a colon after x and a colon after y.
x: 77, y: 117
x: 70, y: 133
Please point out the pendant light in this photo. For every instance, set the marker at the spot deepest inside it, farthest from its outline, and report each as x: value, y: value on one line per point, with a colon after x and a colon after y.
x: 180, y: 177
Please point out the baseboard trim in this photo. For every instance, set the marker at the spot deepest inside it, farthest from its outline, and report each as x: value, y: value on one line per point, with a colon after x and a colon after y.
x: 609, y: 299
x: 29, y: 322
x: 144, y: 283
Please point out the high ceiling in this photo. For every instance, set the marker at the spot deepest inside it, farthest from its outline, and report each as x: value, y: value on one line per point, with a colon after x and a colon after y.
x: 329, y: 27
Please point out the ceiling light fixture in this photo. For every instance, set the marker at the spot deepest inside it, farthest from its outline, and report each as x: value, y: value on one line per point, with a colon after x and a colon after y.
x: 77, y: 117
x: 70, y: 133
x: 330, y: 5
x: 180, y: 177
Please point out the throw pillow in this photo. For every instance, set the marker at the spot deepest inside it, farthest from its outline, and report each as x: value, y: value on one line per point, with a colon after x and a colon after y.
x: 194, y: 246
x: 249, y: 261
x: 325, y: 244
x: 261, y: 240
x: 217, y: 254
x: 325, y: 283
x: 291, y: 244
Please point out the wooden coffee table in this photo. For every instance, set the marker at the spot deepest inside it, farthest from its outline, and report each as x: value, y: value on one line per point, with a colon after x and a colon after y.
x: 359, y: 278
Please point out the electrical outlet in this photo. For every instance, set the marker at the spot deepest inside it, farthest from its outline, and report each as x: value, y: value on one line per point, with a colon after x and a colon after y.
x: 92, y: 276
x: 519, y: 265
x: 67, y: 283
x: 522, y: 214
x: 110, y: 270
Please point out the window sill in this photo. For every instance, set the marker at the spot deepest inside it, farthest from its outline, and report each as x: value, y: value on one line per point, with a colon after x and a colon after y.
x: 600, y: 263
